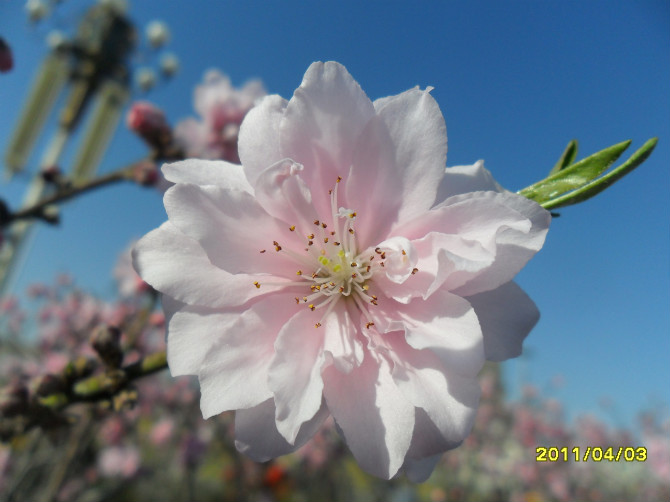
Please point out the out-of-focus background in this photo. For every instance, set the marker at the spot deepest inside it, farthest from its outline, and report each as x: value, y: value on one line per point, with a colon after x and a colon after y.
x: 515, y: 81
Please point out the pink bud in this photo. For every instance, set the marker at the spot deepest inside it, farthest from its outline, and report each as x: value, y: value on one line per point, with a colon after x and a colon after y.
x: 149, y: 123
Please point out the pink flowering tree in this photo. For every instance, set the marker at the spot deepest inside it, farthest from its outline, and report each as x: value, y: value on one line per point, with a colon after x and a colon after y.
x: 341, y: 294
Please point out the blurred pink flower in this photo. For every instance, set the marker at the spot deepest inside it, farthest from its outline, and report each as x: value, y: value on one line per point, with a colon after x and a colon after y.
x: 162, y: 431
x: 122, y: 461
x: 342, y: 270
x: 222, y: 109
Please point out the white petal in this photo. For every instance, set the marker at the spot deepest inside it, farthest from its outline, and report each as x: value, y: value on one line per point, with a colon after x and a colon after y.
x: 419, y: 134
x: 506, y: 315
x: 258, y: 142
x: 231, y: 227
x: 447, y: 325
x: 256, y: 434
x: 322, y: 124
x: 283, y: 194
x: 234, y: 372
x: 374, y: 186
x: 192, y: 330
x: 448, y: 399
x: 295, y: 372
x: 374, y: 416
x: 464, y: 179
x: 419, y: 470
x: 176, y: 265
x: 207, y: 172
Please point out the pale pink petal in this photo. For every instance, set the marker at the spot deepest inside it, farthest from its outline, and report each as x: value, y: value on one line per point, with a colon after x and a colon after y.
x: 234, y: 372
x: 342, y: 346
x: 376, y: 419
x: 506, y: 315
x: 176, y: 265
x: 192, y: 330
x: 322, y: 124
x: 421, y: 376
x: 284, y: 195
x: 258, y: 142
x: 374, y: 186
x: 419, y: 135
x: 207, y: 172
x: 465, y: 179
x: 191, y: 136
x: 447, y: 325
x: 419, y: 470
x: 243, y: 228
x: 295, y: 373
x: 514, y: 247
x: 256, y: 433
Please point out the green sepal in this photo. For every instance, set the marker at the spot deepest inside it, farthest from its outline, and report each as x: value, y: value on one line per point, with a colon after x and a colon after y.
x: 598, y: 185
x: 567, y: 158
x: 574, y: 176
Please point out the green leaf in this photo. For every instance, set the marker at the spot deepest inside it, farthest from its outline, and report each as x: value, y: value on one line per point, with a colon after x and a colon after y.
x: 598, y: 185
x: 574, y: 176
x: 568, y: 157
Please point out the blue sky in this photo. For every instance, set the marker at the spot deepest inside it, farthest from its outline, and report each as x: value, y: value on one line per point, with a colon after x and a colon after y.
x: 515, y: 80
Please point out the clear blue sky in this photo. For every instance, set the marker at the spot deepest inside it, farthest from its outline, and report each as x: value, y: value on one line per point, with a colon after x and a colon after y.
x: 515, y: 81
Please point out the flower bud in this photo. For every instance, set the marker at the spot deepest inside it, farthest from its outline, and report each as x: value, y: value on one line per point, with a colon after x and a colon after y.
x: 106, y: 340
x: 6, y: 58
x: 13, y: 400
x: 157, y: 33
x: 49, y: 384
x: 146, y: 79
x: 149, y: 123
x: 146, y: 173
x: 169, y: 65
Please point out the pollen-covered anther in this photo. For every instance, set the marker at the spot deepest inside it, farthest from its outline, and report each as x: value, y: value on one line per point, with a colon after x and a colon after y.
x: 292, y: 228
x: 317, y: 325
x: 414, y: 270
x: 374, y: 302
x: 325, y: 240
x: 323, y: 225
x: 354, y: 275
x: 383, y: 255
x: 336, y: 243
x: 317, y: 222
x: 367, y: 325
x: 277, y: 246
x: 304, y: 299
x: 297, y: 300
x: 299, y: 272
x: 352, y: 215
x: 339, y: 178
x: 354, y: 264
x: 257, y: 284
x: 311, y: 306
x: 310, y: 243
x: 310, y: 236
x: 403, y: 252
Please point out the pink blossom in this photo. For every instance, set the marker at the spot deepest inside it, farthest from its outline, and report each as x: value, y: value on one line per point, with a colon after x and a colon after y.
x: 162, y: 431
x: 342, y: 270
x: 123, y: 461
x: 222, y: 109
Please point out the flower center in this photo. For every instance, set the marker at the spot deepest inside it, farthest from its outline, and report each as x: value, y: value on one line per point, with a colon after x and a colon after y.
x: 331, y: 267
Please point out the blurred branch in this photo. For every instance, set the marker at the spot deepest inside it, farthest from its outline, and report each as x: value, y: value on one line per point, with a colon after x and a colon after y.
x: 69, y: 191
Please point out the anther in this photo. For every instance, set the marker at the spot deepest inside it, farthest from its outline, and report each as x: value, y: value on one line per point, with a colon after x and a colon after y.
x: 339, y: 178
x: 299, y: 272
x: 378, y: 250
x: 354, y: 264
x: 277, y: 246
x: 310, y: 236
x: 414, y: 270
x: 262, y: 250
x: 257, y: 285
x: 317, y: 325
x: 354, y: 275
x: 311, y: 307
x: 292, y: 228
x: 403, y: 252
x: 309, y: 243
x: 325, y: 240
x: 351, y: 231
x: 369, y: 324
x: 317, y: 222
x: 304, y: 299
x: 336, y: 243
x: 323, y: 225
x: 374, y: 302
x: 383, y: 255
x: 297, y: 300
